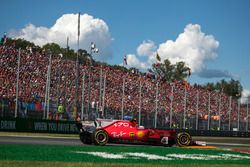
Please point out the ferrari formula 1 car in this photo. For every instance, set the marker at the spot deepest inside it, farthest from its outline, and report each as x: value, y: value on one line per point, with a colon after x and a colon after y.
x: 101, y: 132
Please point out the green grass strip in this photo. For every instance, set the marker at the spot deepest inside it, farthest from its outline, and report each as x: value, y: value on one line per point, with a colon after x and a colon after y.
x: 69, y: 154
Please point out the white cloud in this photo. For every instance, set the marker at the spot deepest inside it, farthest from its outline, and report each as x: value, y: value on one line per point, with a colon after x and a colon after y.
x: 146, y: 48
x: 133, y: 61
x: 192, y: 46
x: 91, y: 30
x: 245, y: 94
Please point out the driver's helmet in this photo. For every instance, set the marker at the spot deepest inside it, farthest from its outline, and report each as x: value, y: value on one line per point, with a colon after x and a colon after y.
x: 127, y: 117
x: 133, y: 120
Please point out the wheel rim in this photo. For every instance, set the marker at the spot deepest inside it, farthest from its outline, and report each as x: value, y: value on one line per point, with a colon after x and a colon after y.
x: 101, y: 137
x: 184, y: 139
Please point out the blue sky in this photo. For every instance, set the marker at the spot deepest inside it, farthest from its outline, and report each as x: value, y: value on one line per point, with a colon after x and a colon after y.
x: 129, y: 24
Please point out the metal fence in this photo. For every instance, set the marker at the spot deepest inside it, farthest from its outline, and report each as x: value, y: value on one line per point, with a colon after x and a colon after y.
x: 236, y: 119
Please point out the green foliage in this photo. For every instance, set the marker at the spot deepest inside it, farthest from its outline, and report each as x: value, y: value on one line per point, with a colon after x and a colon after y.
x: 181, y: 71
x: 21, y: 43
x: 170, y: 72
x: 53, y: 48
x: 231, y: 88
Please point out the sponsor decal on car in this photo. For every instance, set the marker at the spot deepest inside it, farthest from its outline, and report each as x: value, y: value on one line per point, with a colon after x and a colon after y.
x: 117, y: 135
x: 140, y: 134
x: 131, y: 134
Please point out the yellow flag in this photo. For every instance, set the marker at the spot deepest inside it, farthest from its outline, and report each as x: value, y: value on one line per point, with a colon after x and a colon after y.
x: 158, y: 57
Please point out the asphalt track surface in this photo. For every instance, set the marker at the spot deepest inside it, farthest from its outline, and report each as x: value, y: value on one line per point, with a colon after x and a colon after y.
x: 221, y: 142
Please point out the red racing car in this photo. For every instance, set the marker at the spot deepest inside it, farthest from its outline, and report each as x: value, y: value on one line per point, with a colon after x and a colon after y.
x: 101, y: 132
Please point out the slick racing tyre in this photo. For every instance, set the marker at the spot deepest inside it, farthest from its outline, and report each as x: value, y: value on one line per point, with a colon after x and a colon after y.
x: 101, y: 137
x: 86, y: 138
x: 183, y: 139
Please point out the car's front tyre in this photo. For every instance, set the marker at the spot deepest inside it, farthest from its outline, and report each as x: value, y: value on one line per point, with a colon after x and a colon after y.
x: 183, y: 139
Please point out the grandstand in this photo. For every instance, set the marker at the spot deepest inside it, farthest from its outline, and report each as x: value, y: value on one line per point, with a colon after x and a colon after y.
x: 173, y: 105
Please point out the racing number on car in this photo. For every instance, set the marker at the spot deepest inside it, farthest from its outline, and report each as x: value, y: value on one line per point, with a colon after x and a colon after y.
x: 120, y: 124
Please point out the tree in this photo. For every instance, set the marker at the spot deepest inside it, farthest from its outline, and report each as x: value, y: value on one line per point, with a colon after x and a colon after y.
x: 53, y: 47
x: 21, y: 43
x: 231, y: 88
x: 181, y: 71
x: 236, y: 88
x: 170, y: 72
x: 83, y: 56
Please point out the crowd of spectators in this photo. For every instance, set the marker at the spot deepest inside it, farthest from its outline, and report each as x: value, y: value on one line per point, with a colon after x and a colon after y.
x: 178, y: 97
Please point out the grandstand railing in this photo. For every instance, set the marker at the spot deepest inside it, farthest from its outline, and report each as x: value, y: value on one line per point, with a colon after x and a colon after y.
x: 35, y: 110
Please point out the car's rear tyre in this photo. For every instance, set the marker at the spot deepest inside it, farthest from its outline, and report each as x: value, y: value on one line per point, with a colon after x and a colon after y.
x: 101, y: 137
x: 86, y: 138
x: 183, y: 139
